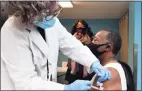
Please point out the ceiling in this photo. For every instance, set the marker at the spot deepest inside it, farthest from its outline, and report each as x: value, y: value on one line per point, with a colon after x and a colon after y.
x: 95, y: 10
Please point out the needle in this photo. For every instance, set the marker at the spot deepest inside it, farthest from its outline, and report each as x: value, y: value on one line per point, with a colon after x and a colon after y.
x: 94, y: 87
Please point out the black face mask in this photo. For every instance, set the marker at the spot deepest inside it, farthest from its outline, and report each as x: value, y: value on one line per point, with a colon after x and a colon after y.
x: 94, y: 48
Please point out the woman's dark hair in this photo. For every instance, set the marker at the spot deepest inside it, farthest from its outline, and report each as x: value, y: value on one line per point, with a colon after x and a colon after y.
x: 30, y: 10
x: 129, y: 76
x: 86, y: 30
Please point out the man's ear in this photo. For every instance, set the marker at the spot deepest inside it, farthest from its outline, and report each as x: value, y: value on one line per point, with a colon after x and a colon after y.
x: 108, y: 47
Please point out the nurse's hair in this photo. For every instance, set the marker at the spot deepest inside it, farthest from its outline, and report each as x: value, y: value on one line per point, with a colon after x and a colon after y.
x: 31, y: 10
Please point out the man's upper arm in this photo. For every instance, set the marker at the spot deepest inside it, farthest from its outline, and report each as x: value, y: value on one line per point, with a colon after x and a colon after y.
x: 114, y: 83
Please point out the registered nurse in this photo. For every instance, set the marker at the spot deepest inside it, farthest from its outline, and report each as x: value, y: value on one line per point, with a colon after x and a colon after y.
x: 30, y: 42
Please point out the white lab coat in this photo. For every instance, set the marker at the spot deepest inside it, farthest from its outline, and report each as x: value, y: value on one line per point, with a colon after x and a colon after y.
x: 24, y: 55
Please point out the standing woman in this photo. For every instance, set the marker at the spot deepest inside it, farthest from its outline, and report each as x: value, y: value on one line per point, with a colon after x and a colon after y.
x: 82, y: 32
x: 29, y: 54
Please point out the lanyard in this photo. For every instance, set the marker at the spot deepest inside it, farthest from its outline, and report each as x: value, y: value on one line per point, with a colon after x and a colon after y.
x: 42, y: 33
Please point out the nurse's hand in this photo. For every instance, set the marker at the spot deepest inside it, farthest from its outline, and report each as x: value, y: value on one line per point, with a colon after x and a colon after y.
x: 79, y: 85
x: 102, y: 73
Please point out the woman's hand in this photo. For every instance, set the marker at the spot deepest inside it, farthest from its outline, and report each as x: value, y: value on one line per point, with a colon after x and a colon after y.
x: 78, y: 35
x: 85, y: 39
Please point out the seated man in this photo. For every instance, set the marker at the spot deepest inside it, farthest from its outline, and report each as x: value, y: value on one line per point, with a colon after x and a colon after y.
x: 105, y: 46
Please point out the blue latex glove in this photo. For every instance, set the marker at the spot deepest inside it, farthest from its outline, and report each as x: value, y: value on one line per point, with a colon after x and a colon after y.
x: 46, y: 24
x: 79, y: 85
x: 102, y: 73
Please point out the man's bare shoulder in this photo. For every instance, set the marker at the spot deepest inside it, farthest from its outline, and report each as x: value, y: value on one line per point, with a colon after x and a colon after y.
x: 115, y: 82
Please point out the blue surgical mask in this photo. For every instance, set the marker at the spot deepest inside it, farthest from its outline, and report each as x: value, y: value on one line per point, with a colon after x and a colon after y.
x: 46, y: 23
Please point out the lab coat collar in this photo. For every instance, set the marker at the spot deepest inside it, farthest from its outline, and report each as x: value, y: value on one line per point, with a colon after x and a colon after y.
x: 35, y: 36
x: 38, y: 40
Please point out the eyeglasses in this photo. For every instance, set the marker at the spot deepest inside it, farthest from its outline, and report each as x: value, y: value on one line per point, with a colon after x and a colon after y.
x: 56, y: 13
